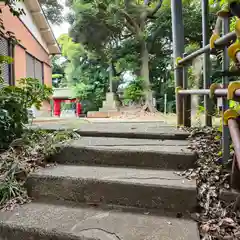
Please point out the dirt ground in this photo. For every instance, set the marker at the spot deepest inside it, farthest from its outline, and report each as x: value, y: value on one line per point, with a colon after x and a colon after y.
x: 126, y: 115
x: 170, y: 118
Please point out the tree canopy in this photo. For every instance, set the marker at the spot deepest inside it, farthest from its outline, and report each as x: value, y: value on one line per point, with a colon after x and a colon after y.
x: 52, y: 9
x: 126, y: 36
x: 113, y: 23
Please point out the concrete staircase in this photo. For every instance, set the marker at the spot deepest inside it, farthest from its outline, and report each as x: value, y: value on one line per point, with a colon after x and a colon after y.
x: 109, y: 189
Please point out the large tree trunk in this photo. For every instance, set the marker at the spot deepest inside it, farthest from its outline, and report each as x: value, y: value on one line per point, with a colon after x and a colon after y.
x: 145, y: 76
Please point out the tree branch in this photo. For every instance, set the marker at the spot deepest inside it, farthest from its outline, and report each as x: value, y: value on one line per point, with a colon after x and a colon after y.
x: 130, y: 20
x: 130, y: 27
x: 155, y: 10
x: 153, y: 37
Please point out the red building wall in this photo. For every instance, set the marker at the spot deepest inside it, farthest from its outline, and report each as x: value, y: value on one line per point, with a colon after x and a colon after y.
x: 47, y: 72
x: 27, y: 43
x: 19, y: 62
x: 21, y: 32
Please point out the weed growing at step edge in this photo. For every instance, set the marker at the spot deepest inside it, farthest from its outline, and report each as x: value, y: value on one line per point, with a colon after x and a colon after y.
x: 23, y: 157
x: 216, y: 219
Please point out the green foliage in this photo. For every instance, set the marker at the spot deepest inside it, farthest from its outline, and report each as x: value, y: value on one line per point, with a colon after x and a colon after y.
x: 4, y: 59
x: 134, y: 91
x: 26, y: 154
x: 33, y: 92
x: 57, y: 76
x: 92, y: 85
x: 74, y: 53
x: 199, y: 113
x: 14, y: 103
x: 85, y: 73
x: 114, y: 39
x: 67, y: 106
x: 53, y: 11
x: 12, y: 6
x: 81, y: 90
x: 58, y: 65
x: 234, y: 105
x: 87, y: 28
x: 120, y: 21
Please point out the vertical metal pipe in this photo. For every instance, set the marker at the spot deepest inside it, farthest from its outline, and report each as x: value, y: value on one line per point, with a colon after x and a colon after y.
x: 185, y: 75
x: 206, y: 61
x: 186, y: 99
x: 225, y: 66
x: 178, y: 49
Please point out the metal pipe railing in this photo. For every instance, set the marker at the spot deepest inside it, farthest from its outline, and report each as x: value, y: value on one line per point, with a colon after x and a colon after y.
x: 235, y: 135
x: 218, y: 92
x: 237, y: 93
x: 186, y: 99
x: 224, y: 92
x: 221, y: 92
x: 225, y: 83
x: 238, y: 57
x: 178, y: 50
x: 221, y: 42
x: 194, y: 92
x: 206, y: 61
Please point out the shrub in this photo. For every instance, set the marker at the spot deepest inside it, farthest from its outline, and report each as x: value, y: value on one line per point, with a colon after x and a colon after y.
x: 14, y: 102
x: 134, y: 91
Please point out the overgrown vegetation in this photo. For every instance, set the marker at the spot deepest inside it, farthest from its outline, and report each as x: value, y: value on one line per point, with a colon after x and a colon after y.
x: 99, y: 52
x: 23, y: 150
x: 52, y: 9
x: 24, y: 155
x: 14, y: 104
x: 217, y: 219
x: 134, y: 91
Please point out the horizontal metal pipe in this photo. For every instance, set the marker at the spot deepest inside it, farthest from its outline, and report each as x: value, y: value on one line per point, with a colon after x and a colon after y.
x: 193, y: 55
x: 221, y: 92
x: 218, y: 44
x: 238, y: 56
x: 218, y: 92
x: 224, y: 92
x: 237, y: 93
x: 235, y: 135
x: 221, y: 42
x: 194, y: 92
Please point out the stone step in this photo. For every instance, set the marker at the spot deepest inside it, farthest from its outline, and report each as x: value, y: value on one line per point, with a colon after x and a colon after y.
x: 38, y: 221
x: 109, y: 109
x: 133, y: 134
x: 119, y: 186
x: 153, y: 130
x: 157, y: 154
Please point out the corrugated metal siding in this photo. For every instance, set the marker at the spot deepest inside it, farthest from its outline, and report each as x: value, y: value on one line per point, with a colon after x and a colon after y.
x: 34, y: 68
x: 39, y: 70
x: 30, y: 66
x: 4, y: 51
